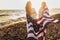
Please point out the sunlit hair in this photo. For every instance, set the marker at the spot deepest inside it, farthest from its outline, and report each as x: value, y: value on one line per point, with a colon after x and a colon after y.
x: 43, y: 9
x: 28, y: 7
x: 43, y: 4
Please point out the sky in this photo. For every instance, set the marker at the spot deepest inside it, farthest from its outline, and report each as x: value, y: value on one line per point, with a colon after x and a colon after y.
x: 20, y: 4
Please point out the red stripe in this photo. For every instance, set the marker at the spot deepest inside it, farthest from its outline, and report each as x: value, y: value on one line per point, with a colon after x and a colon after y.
x: 44, y: 34
x: 46, y: 8
x: 43, y: 28
x: 31, y: 31
x: 31, y: 38
x: 41, y: 31
x: 41, y: 24
x: 39, y: 19
x: 40, y: 38
x: 58, y: 21
x: 47, y: 23
x: 31, y: 26
x: 46, y: 13
x: 46, y: 16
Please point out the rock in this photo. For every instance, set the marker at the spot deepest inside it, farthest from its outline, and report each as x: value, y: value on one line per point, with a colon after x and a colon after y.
x: 53, y: 30
x: 14, y: 32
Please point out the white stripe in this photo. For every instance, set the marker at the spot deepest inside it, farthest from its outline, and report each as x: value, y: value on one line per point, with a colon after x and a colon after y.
x: 31, y: 35
x: 46, y: 11
x: 55, y: 21
x: 45, y: 30
x: 43, y: 37
x: 46, y: 15
x: 38, y: 22
x: 41, y: 28
x: 31, y: 28
x: 41, y: 34
x: 49, y: 20
x: 29, y: 24
x: 46, y: 21
x: 43, y: 23
x: 36, y: 33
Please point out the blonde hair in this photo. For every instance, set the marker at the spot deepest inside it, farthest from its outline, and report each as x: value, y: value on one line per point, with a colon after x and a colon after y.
x: 28, y: 7
x: 43, y: 4
x: 41, y: 10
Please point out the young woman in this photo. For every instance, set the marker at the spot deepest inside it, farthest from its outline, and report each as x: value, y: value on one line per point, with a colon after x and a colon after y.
x: 43, y: 20
x: 36, y: 28
x: 30, y: 22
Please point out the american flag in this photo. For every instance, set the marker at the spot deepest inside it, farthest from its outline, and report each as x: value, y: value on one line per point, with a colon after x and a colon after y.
x: 36, y: 28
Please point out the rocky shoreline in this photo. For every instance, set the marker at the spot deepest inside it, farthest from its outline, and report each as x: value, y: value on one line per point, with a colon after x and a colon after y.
x: 53, y: 30
x: 14, y: 32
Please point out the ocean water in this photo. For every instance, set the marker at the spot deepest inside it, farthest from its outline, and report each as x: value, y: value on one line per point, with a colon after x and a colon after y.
x: 6, y: 15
